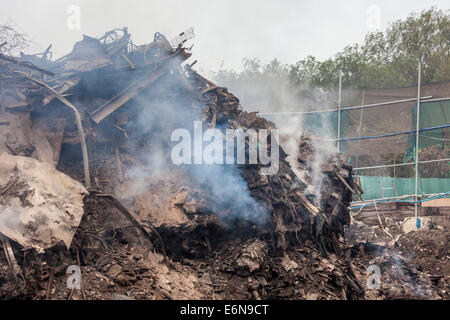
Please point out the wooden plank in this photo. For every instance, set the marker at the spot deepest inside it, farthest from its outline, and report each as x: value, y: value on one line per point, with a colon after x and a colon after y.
x: 348, y: 186
x: 119, y: 166
x: 130, y: 92
x: 25, y: 64
x: 445, y: 202
x: 51, y: 129
x: 136, y: 87
x: 308, y: 205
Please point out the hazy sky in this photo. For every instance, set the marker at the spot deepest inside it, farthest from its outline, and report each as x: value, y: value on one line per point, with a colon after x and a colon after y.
x: 226, y: 30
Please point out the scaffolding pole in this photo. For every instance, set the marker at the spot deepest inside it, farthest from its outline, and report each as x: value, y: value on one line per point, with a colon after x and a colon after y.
x: 360, y: 123
x: 355, y: 203
x: 356, y: 107
x: 339, y: 113
x: 416, y: 209
x: 400, y: 164
x: 393, y: 134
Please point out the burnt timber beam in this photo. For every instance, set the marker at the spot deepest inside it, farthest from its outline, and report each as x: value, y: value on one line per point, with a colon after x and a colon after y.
x: 130, y: 92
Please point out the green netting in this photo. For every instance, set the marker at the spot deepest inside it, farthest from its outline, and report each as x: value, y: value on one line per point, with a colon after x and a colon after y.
x: 432, y: 114
x: 385, y: 187
x: 380, y: 149
x: 325, y: 124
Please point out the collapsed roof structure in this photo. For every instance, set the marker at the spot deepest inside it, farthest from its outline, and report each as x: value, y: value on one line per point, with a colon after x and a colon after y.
x: 86, y: 140
x: 95, y: 96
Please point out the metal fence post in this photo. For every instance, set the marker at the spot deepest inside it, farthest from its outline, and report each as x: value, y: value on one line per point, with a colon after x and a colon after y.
x: 416, y: 213
x: 360, y: 124
x: 339, y: 112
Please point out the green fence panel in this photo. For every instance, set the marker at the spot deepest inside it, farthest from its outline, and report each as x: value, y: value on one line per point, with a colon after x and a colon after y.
x: 385, y: 187
x: 432, y: 114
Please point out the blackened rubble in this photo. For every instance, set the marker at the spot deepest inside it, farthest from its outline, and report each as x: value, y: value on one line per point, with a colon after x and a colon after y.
x: 103, y: 115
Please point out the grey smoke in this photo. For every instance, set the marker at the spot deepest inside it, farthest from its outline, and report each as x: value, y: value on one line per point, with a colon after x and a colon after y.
x: 281, y: 103
x: 230, y: 194
x: 162, y: 109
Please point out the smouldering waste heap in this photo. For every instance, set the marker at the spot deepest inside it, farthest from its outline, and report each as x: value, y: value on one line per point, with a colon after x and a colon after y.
x: 104, y: 115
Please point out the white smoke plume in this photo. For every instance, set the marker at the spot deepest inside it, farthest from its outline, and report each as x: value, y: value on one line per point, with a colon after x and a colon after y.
x: 268, y: 90
x: 161, y: 110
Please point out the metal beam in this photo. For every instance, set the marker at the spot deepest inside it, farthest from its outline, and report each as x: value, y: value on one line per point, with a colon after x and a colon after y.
x: 355, y: 107
x: 339, y: 113
x: 164, y: 65
x: 127, y: 94
x: 354, y: 203
x: 400, y: 164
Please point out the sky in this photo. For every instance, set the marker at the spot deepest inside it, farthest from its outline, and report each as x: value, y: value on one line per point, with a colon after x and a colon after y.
x: 226, y: 31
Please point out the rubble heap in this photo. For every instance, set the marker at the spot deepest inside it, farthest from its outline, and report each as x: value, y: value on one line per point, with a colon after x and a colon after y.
x: 102, y: 116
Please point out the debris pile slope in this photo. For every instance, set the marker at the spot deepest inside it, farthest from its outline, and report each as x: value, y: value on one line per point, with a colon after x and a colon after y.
x: 414, y: 263
x: 104, y: 115
x: 118, y: 103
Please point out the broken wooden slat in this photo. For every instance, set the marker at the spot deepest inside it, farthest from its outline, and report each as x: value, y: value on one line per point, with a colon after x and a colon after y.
x: 130, y: 63
x: 25, y: 64
x: 308, y: 205
x: 9, y: 185
x: 348, y: 186
x: 126, y: 95
x: 118, y: 162
x: 126, y: 213
x: 9, y: 254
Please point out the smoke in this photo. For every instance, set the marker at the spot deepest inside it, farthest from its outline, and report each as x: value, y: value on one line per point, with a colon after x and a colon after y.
x: 229, y: 193
x: 269, y: 90
x: 322, y: 150
x: 166, y: 106
x: 10, y: 217
x: 409, y: 280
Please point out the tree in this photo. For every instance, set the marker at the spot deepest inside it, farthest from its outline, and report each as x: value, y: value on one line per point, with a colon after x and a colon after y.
x: 384, y: 59
x: 424, y: 38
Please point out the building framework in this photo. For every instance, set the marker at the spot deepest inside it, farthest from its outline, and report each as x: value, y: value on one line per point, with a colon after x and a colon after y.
x: 421, y: 105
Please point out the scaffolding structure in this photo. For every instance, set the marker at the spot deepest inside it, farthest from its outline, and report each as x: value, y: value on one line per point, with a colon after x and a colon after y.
x: 415, y: 133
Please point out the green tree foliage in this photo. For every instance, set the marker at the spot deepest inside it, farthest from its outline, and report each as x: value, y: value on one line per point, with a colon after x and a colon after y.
x: 392, y: 56
x: 384, y: 59
x: 258, y: 86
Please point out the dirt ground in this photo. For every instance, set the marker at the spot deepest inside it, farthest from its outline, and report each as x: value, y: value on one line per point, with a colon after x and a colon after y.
x: 118, y: 263
x: 429, y: 251
x: 416, y: 266
x: 151, y: 229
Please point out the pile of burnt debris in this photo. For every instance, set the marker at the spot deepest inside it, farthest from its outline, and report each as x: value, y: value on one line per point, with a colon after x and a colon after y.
x: 87, y: 183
